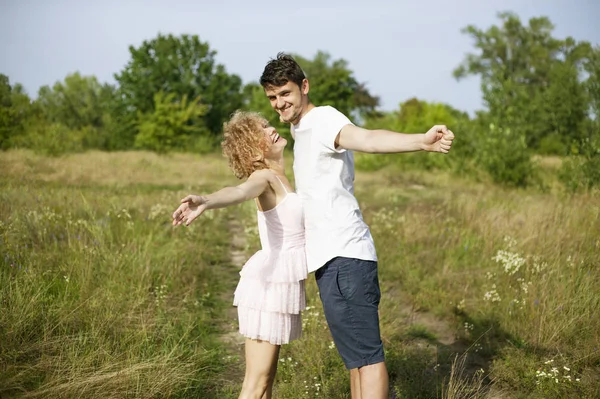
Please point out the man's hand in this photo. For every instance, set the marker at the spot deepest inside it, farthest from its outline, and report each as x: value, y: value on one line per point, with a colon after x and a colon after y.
x: 438, y: 139
x: 191, y: 207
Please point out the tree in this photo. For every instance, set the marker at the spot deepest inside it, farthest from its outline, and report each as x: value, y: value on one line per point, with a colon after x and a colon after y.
x: 80, y: 103
x: 333, y: 83
x: 581, y: 170
x: 530, y: 80
x: 172, y: 124
x: 415, y: 116
x: 7, y: 117
x: 592, y: 84
x: 184, y: 67
x: 15, y: 109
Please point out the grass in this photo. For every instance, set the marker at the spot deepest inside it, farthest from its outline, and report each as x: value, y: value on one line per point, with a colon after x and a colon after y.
x: 487, y: 292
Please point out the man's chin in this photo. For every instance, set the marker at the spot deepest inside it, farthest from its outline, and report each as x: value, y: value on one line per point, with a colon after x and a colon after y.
x: 287, y: 118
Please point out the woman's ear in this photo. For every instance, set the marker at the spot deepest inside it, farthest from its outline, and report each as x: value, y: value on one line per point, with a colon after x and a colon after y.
x: 258, y: 156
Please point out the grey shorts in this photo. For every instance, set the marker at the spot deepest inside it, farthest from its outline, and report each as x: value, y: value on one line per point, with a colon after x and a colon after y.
x: 349, y: 290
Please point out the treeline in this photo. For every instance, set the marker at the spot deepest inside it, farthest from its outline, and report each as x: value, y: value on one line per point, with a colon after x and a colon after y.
x: 541, y: 95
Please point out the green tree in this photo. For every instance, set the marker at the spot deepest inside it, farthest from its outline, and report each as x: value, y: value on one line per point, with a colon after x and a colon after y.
x: 81, y: 104
x: 15, y: 109
x: 333, y: 83
x: 592, y: 84
x: 415, y: 116
x: 172, y: 124
x: 184, y: 67
x: 563, y: 106
x: 581, y: 170
x: 530, y: 80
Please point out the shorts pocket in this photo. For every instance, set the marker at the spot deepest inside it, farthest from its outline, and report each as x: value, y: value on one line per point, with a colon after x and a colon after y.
x: 347, y: 283
x: 371, y: 283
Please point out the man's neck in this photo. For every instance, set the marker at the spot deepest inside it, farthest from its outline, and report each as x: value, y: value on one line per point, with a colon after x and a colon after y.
x: 305, y: 111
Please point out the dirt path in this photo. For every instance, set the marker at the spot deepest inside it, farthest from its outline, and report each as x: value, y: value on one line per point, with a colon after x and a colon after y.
x: 444, y: 332
x: 237, y: 256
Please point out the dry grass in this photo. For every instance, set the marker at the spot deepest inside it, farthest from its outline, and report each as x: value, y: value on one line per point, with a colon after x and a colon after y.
x: 102, y: 298
x: 117, y: 168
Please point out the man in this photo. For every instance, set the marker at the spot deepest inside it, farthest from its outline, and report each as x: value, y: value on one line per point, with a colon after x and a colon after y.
x: 339, y: 246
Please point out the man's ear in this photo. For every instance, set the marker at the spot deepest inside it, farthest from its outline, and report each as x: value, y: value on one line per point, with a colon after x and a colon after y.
x: 305, y: 86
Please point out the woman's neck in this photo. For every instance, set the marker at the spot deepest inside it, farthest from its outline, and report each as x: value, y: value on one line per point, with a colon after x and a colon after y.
x: 277, y: 166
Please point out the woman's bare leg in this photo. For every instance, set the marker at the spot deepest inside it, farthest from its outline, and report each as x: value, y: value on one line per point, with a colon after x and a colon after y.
x: 261, y: 367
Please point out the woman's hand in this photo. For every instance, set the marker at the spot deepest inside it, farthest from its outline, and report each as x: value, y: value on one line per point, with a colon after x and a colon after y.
x: 191, y: 207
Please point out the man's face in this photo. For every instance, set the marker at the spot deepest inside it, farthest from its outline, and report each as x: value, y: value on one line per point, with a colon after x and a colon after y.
x: 289, y: 100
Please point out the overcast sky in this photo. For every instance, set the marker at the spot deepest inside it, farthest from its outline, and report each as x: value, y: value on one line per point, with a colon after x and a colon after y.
x: 400, y: 48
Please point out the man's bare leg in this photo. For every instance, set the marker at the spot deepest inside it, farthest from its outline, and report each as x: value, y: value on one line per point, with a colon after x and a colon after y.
x: 373, y: 382
x: 355, y: 384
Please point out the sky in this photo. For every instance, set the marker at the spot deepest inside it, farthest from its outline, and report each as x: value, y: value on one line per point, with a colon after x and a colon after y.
x: 399, y: 48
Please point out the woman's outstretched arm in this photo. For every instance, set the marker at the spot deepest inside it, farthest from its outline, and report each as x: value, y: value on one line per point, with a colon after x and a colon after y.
x: 193, y: 206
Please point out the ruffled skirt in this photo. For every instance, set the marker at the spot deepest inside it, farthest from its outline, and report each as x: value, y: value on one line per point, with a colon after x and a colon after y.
x: 270, y: 296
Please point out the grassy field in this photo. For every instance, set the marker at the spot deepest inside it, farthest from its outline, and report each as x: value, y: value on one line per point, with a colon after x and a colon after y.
x: 487, y: 292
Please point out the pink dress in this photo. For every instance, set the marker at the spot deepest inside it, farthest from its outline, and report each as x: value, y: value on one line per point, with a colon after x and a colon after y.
x: 270, y: 294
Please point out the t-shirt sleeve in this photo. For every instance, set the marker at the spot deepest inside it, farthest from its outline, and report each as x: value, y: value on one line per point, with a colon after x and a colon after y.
x: 332, y: 121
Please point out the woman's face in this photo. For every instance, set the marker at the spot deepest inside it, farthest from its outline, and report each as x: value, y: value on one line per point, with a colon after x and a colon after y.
x: 275, y: 143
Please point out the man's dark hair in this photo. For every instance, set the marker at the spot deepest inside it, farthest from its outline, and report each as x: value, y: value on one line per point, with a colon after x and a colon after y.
x: 281, y: 70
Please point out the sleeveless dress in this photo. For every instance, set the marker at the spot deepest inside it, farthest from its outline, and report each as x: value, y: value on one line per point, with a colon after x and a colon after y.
x: 270, y: 294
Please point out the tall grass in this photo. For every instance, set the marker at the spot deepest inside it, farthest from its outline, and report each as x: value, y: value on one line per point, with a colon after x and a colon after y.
x: 515, y: 273
x: 100, y: 296
x: 487, y: 292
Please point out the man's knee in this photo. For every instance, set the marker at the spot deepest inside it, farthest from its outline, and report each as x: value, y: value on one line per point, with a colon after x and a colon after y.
x: 375, y: 371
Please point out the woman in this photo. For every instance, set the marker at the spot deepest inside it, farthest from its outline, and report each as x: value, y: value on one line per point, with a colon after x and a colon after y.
x: 270, y: 293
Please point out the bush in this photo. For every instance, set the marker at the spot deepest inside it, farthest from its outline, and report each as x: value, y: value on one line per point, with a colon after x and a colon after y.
x: 581, y: 171
x: 52, y: 139
x: 504, y: 155
x: 174, y: 124
x: 552, y: 144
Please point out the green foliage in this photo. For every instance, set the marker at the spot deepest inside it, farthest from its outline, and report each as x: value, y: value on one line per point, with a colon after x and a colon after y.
x: 532, y: 76
x: 503, y: 154
x: 73, y: 115
x: 414, y: 116
x: 581, y: 170
x: 564, y: 108
x: 182, y: 66
x: 77, y: 102
x: 333, y: 83
x: 15, y: 109
x: 502, y: 147
x: 123, y: 126
x: 6, y: 112
x: 54, y: 139
x: 172, y: 124
x: 592, y: 84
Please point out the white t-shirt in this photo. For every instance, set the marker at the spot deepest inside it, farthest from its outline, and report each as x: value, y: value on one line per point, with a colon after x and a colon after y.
x: 325, y: 182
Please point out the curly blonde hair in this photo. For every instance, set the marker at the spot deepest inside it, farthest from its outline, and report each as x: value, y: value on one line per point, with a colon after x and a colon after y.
x: 244, y: 143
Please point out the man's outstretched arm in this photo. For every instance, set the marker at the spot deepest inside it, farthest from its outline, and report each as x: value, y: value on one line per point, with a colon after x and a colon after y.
x: 438, y: 139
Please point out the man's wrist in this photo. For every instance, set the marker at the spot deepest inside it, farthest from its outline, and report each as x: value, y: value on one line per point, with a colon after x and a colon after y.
x: 422, y: 143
